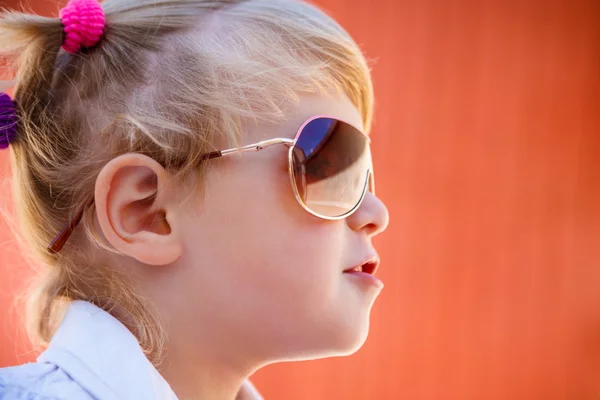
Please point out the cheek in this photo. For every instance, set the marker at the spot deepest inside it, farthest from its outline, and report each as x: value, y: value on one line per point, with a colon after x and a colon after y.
x: 283, y: 261
x: 294, y: 256
x: 286, y: 296
x: 262, y: 260
x: 300, y: 266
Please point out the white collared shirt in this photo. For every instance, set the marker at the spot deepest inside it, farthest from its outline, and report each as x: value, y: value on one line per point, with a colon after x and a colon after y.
x: 91, y: 356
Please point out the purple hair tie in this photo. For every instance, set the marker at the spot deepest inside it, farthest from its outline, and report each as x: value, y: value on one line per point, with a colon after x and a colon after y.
x: 8, y: 120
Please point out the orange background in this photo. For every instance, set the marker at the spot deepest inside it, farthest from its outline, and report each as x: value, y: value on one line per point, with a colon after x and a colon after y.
x: 487, y: 152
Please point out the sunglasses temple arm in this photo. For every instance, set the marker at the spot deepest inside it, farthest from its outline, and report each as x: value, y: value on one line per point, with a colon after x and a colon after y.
x: 59, y: 241
x: 258, y: 146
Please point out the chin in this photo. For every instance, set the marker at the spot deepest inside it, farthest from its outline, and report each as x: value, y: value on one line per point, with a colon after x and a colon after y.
x: 354, y: 343
x: 347, y: 340
x: 336, y: 341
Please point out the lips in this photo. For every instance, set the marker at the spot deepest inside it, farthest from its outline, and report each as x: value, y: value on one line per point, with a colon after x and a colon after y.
x: 369, y: 266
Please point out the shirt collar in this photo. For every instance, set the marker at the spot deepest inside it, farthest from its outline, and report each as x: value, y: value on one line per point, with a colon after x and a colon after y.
x: 103, y: 356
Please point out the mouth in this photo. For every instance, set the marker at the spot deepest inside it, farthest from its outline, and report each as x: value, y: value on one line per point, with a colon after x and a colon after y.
x: 370, y: 267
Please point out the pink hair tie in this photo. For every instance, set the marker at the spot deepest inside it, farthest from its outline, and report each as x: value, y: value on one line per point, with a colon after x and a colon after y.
x: 84, y: 24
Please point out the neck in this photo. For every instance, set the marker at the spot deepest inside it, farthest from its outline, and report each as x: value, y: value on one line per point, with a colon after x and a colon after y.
x: 205, y: 376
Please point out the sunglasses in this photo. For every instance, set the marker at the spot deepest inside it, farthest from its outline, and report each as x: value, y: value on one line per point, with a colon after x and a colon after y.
x: 330, y: 168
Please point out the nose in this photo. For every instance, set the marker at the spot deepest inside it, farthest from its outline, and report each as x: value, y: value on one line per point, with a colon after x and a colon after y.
x: 372, y: 216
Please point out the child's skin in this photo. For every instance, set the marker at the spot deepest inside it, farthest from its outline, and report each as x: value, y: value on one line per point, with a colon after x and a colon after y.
x: 242, y: 276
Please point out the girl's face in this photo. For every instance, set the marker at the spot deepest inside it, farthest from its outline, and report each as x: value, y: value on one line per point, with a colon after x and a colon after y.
x: 259, y: 276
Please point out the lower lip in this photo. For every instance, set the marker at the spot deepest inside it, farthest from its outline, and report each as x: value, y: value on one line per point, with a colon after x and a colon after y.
x: 366, y: 278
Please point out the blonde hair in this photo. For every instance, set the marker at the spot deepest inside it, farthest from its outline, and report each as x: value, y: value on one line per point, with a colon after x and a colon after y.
x: 169, y: 79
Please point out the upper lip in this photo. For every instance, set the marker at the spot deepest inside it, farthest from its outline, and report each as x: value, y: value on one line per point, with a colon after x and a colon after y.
x: 369, y: 265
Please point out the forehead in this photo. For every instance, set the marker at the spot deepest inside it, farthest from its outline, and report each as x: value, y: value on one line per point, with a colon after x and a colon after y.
x: 309, y: 105
x: 330, y: 105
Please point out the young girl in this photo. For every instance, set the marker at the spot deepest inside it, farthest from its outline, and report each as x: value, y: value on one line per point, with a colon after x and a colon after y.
x: 195, y: 178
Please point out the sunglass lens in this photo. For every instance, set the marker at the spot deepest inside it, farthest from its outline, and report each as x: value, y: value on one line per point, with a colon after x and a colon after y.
x: 331, y: 164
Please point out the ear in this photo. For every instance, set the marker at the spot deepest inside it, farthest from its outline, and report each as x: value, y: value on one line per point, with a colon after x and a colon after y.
x: 135, y: 209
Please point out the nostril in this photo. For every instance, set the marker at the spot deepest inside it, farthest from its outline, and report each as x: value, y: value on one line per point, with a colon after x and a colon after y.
x: 371, y: 229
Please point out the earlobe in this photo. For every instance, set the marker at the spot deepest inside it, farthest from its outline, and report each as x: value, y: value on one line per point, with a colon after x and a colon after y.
x: 135, y: 209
